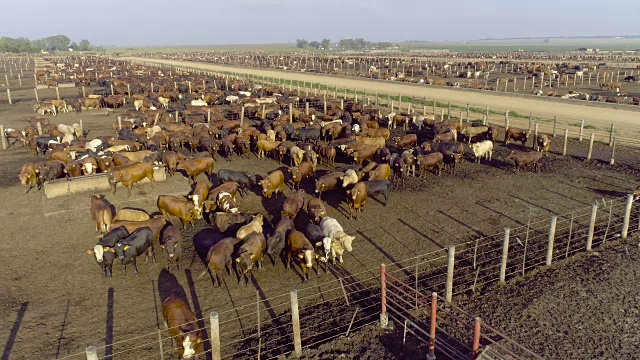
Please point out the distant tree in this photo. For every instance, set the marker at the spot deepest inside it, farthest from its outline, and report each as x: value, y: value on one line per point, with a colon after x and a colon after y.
x: 384, y: 45
x: 73, y: 46
x: 57, y: 43
x: 302, y: 43
x: 326, y: 43
x: 315, y: 44
x: 85, y: 45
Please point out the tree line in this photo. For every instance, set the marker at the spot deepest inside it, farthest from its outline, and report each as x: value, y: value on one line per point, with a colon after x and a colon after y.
x: 344, y: 44
x: 51, y: 43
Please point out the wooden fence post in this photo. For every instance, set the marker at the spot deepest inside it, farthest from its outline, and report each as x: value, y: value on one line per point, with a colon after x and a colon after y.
x: 215, y: 335
x: 9, y: 96
x: 535, y: 136
x: 242, y: 116
x: 564, y: 144
x: 590, y: 146
x: 424, y: 110
x: 613, y: 128
x: 263, y: 112
x: 20, y: 79
x: 91, y: 352
x: 506, y: 122
x: 4, y: 138
x: 295, y: 319
x: 58, y: 93
x: 467, y: 119
x: 505, y: 255
x: 160, y: 344
x: 39, y: 128
x: 306, y: 108
x: 119, y: 123
x: 555, y: 125
x: 449, y: 111
x: 81, y: 127
x: 627, y: 217
x: 552, y: 237
x: 36, y: 92
x: 290, y: 113
x: 613, y: 152
x: 451, y: 260
x: 581, y: 130
x: 384, y: 318
x: 592, y: 225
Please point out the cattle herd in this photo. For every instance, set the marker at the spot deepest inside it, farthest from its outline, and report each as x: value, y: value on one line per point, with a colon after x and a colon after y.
x: 192, y: 129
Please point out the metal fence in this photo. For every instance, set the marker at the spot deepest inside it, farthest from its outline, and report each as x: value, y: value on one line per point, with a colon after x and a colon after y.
x: 307, y: 317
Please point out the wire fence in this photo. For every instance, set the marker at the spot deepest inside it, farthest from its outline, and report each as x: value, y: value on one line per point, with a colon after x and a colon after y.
x: 267, y: 329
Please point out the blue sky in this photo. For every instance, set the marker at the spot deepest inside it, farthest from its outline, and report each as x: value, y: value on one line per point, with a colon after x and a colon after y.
x: 197, y: 22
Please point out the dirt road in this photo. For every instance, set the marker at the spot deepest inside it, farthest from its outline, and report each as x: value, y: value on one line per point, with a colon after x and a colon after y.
x: 597, y: 116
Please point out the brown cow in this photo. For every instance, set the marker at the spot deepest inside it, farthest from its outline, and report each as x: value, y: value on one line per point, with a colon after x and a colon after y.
x: 328, y: 182
x: 127, y: 214
x: 304, y: 170
x: 101, y: 213
x: 171, y: 243
x: 543, y: 143
x: 301, y: 249
x: 195, y: 167
x: 170, y: 161
x: 130, y: 174
x: 202, y: 191
x: 230, y: 187
x: 183, y: 209
x: 526, y: 158
x: 369, y: 132
x: 274, y: 182
x: 516, y: 135
x: 328, y: 154
x: 381, y: 172
x: 219, y: 258
x: 73, y: 169
x: 406, y: 141
x: 316, y: 210
x: 182, y: 325
x: 429, y: 161
x: 135, y: 156
x: 364, y: 153
x: 293, y: 204
x: 356, y: 197
x: 266, y: 146
x: 250, y: 252
x: 28, y: 176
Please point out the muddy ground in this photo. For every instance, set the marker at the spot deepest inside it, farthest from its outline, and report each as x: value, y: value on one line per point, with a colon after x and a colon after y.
x: 55, y: 303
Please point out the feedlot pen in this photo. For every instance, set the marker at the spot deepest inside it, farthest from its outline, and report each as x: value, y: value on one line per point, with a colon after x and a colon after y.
x: 55, y: 303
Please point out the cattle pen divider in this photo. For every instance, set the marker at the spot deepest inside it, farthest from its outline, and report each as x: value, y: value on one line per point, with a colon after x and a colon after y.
x: 397, y: 294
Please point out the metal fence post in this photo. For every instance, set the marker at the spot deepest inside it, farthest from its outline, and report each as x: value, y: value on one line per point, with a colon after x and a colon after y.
x: 505, y: 255
x: 476, y: 337
x: 432, y: 329
x: 552, y: 236
x: 592, y: 225
x: 384, y: 318
x: 215, y: 335
x: 627, y: 217
x: 91, y: 352
x: 449, y: 287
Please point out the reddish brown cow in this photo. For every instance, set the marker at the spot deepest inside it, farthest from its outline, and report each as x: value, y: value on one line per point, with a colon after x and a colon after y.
x: 526, y: 158
x: 101, y: 213
x: 429, y: 161
x: 328, y: 154
x: 170, y: 161
x: 266, y: 146
x: 406, y: 141
x: 130, y: 174
x: 250, y: 252
x: 274, y: 182
x: 363, y: 153
x: 516, y: 135
x: 328, y: 182
x: 293, y: 204
x: 195, y: 167
x: 28, y: 176
x: 300, y: 249
x: 219, y: 258
x: 182, y: 325
x: 381, y: 172
x: 316, y: 210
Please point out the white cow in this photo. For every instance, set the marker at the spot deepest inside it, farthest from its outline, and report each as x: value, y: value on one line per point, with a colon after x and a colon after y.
x: 356, y: 129
x: 198, y: 102
x: 325, y: 123
x: 232, y: 98
x: 482, y: 149
x: 117, y: 148
x: 152, y: 131
x: 138, y: 104
x: 67, y: 139
x: 339, y: 240
x: 350, y: 177
x: 271, y: 135
x: 245, y: 93
x: 164, y: 101
x: 93, y: 145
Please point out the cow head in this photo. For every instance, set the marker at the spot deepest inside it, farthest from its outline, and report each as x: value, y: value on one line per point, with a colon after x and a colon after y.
x: 346, y: 241
x: 170, y: 246
x: 307, y: 256
x: 120, y: 251
x: 245, y: 262
x: 191, y: 341
x: 275, y: 244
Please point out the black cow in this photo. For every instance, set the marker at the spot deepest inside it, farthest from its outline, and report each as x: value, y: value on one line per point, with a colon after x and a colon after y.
x: 631, y: 78
x: 244, y: 179
x: 43, y: 143
x: 104, y: 250
x: 126, y: 134
x: 138, y: 243
x: 377, y: 187
x: 227, y: 148
x: 277, y: 241
x: 305, y: 134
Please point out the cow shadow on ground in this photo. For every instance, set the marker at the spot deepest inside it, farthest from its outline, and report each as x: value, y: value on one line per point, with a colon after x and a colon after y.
x: 169, y: 285
x: 198, y: 311
x: 6, y: 354
x: 609, y: 193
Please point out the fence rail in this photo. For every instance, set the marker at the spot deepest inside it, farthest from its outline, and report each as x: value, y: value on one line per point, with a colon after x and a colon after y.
x: 359, y: 300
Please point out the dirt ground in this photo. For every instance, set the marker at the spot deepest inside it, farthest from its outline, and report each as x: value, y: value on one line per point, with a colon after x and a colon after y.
x: 55, y: 303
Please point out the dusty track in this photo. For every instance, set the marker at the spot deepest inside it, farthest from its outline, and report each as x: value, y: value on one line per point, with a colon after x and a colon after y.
x: 601, y: 117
